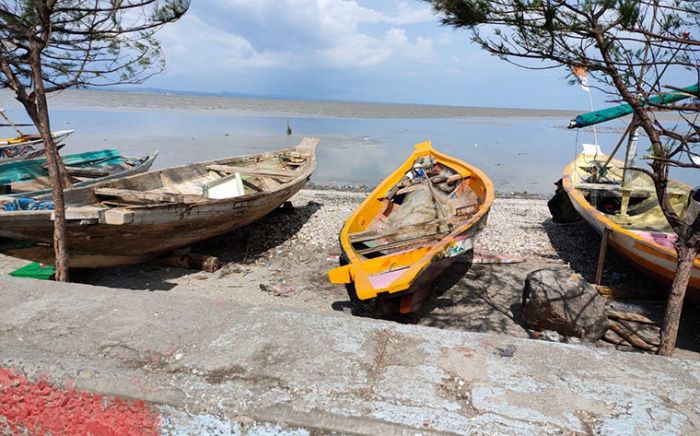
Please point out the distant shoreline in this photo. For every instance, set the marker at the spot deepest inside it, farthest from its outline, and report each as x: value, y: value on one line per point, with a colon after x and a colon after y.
x: 366, y: 189
x: 104, y: 100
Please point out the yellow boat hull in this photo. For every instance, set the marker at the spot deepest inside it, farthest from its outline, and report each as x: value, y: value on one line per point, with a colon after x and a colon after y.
x: 404, y: 275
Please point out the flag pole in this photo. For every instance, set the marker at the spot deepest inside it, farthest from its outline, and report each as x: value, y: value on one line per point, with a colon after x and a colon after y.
x: 590, y: 102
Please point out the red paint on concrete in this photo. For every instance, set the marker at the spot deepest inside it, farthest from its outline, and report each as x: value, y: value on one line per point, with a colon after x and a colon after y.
x: 40, y: 408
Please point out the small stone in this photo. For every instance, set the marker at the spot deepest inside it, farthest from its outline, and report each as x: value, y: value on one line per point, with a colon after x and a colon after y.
x: 84, y: 373
x: 551, y: 336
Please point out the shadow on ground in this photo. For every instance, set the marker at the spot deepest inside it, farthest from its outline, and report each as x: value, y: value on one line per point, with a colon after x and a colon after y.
x: 239, y: 246
x: 481, y: 298
x: 579, y: 245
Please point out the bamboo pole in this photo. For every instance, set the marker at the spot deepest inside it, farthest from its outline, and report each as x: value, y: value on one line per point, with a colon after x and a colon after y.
x: 2, y: 112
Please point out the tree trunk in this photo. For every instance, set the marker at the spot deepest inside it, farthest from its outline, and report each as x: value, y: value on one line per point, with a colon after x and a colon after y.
x: 59, y: 224
x: 40, y: 115
x: 674, y: 304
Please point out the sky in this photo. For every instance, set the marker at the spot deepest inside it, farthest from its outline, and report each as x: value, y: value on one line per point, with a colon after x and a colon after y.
x: 356, y: 50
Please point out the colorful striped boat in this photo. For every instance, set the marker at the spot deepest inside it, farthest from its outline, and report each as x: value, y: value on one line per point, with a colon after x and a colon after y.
x: 27, y: 146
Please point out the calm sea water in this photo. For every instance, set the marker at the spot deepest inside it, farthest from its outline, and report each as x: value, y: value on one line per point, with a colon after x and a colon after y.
x: 520, y: 150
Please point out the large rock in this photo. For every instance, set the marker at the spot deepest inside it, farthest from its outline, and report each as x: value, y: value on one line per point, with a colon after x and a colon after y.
x: 558, y: 299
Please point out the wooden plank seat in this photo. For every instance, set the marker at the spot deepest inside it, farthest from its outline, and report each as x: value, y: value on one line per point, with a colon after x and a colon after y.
x: 370, y: 235
x: 635, y: 191
x: 262, y: 172
x: 405, y: 243
x: 140, y: 197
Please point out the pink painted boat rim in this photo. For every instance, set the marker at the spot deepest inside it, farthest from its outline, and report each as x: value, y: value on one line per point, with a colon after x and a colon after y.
x: 384, y: 279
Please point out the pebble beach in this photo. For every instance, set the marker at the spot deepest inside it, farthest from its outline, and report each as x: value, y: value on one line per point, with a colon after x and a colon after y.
x: 283, y: 259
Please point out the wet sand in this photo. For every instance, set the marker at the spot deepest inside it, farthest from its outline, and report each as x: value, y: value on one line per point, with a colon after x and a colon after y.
x: 109, y: 100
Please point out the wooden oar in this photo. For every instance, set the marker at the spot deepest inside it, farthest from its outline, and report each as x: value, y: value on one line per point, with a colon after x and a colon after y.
x: 438, y: 204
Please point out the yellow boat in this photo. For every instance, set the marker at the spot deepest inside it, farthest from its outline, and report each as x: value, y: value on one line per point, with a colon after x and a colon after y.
x: 414, y: 225
x: 638, y: 228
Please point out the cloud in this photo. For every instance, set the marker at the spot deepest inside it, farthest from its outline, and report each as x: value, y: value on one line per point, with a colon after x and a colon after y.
x: 243, y: 35
x: 363, y: 51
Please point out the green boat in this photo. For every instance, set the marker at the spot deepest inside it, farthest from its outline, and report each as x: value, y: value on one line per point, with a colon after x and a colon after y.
x: 30, y: 178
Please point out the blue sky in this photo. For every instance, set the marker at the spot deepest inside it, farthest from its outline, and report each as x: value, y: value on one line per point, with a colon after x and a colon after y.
x: 359, y: 50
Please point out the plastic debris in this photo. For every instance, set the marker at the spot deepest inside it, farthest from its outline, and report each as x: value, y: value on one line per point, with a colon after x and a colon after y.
x: 27, y: 204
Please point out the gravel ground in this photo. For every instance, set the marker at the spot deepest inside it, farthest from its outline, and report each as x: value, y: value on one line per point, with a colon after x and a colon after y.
x: 283, y: 260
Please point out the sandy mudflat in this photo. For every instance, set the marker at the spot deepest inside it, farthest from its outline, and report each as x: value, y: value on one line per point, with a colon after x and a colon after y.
x: 283, y: 260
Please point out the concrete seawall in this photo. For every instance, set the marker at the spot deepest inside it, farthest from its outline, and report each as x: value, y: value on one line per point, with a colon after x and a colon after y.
x: 208, y: 363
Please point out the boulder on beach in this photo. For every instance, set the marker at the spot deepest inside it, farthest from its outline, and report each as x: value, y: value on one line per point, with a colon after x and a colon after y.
x: 561, y: 300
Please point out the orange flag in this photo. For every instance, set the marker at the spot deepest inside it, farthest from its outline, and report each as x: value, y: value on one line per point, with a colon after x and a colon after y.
x: 582, y: 76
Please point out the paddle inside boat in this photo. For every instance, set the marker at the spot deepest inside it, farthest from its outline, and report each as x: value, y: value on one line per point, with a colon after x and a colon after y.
x: 414, y: 225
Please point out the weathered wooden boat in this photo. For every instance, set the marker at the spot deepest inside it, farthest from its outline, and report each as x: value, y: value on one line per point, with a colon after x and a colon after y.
x: 141, y: 217
x: 27, y: 146
x: 638, y: 229
x: 411, y: 228
x: 30, y: 178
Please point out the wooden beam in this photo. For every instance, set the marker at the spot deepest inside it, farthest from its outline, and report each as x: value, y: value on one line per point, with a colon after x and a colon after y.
x: 601, y: 256
x: 406, y: 190
x: 252, y: 186
x: 631, y: 337
x: 634, y: 191
x: 139, y: 196
x: 438, y: 205
x: 228, y: 169
x: 629, y: 316
x: 403, y: 243
x: 81, y: 213
x: 369, y: 235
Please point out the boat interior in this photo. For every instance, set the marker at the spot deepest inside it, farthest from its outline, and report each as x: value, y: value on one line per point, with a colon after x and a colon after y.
x: 194, y: 183
x: 32, y: 178
x: 633, y: 206
x: 423, y: 207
